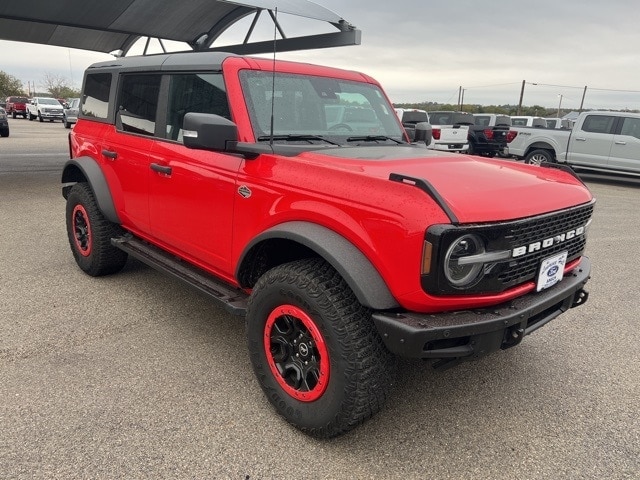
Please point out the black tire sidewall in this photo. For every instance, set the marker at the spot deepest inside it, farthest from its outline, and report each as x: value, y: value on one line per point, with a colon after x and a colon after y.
x: 103, y: 258
x: 306, y: 415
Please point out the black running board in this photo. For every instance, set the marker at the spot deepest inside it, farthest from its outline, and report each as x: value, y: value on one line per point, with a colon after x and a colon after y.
x: 233, y: 299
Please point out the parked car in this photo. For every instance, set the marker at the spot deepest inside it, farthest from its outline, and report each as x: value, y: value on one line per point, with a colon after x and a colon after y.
x: 528, y: 121
x: 352, y: 119
x: 4, y: 123
x: 338, y: 250
x: 410, y: 117
x: 450, y: 131
x: 70, y: 113
x: 44, y: 108
x: 17, y: 106
x: 558, y: 123
x: 488, y: 135
x: 599, y: 141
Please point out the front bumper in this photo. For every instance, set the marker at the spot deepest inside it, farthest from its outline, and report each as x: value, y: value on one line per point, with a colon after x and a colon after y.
x: 454, y: 337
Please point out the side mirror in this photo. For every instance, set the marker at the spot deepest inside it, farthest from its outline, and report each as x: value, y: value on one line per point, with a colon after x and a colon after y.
x: 206, y: 131
x: 423, y: 133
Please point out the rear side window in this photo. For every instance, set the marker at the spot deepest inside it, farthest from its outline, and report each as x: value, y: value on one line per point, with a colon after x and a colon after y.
x: 598, y: 124
x: 95, y: 98
x: 138, y: 103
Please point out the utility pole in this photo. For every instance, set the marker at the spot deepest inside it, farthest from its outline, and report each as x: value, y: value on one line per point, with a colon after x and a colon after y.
x: 584, y: 93
x: 521, y: 96
x: 459, y: 95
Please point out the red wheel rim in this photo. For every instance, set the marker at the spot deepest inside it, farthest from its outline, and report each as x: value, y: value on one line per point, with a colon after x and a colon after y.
x: 81, y: 230
x: 297, y: 353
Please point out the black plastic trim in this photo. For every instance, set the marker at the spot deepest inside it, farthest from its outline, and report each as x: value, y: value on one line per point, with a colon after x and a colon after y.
x: 356, y: 269
x: 429, y: 189
x: 92, y: 172
x: 480, y: 331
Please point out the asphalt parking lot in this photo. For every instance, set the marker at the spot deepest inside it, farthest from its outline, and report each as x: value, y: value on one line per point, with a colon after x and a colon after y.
x: 137, y: 376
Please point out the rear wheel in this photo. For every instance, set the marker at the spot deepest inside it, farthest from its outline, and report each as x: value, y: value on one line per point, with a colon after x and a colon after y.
x: 537, y: 157
x: 315, y: 350
x: 90, y: 234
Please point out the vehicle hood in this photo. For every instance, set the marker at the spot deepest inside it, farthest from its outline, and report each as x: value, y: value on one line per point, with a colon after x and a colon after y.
x: 476, y: 189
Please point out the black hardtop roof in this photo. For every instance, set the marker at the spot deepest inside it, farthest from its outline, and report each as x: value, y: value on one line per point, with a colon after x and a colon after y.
x: 165, y: 62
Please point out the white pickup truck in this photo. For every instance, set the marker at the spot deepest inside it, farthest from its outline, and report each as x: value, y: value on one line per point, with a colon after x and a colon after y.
x: 599, y: 141
x: 450, y: 131
x: 44, y: 108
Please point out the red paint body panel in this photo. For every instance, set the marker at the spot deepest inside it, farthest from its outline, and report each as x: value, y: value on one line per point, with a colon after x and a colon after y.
x: 196, y: 212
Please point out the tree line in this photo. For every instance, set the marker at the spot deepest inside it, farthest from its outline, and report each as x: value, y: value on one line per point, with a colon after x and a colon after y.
x: 52, y: 85
x: 511, y: 110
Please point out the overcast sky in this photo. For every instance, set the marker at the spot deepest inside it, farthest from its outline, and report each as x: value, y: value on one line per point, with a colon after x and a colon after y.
x: 424, y: 50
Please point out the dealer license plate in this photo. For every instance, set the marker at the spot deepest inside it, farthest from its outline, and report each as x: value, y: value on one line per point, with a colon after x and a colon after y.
x: 551, y: 271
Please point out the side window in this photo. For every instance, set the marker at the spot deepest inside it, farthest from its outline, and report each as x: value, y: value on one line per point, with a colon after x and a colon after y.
x: 598, y: 124
x: 631, y: 127
x: 194, y: 92
x: 95, y: 98
x: 138, y: 103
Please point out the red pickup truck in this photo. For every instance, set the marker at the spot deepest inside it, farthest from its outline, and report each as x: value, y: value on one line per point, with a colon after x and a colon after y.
x: 341, y: 248
x: 17, y: 106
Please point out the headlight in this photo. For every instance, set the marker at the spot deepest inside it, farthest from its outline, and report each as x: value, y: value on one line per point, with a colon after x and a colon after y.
x: 463, y: 275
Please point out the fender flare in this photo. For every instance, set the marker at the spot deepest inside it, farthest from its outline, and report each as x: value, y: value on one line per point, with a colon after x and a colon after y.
x: 93, y: 174
x: 362, y: 277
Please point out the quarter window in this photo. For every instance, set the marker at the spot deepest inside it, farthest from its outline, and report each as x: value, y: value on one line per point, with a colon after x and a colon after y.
x: 95, y: 100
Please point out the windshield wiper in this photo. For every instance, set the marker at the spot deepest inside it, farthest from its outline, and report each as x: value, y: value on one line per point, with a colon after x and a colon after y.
x: 373, y: 138
x: 295, y: 138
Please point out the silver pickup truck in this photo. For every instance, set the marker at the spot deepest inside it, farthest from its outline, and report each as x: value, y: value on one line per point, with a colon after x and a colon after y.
x: 599, y: 141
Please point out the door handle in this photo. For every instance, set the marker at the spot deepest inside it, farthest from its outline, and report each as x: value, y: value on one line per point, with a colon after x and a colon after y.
x: 620, y: 142
x: 109, y: 154
x: 581, y: 139
x: 161, y: 168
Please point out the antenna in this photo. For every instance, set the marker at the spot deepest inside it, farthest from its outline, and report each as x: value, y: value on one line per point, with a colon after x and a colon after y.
x: 273, y: 76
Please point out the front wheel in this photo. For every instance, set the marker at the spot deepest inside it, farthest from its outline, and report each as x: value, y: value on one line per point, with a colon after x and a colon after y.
x: 537, y: 157
x: 90, y: 234
x: 315, y: 350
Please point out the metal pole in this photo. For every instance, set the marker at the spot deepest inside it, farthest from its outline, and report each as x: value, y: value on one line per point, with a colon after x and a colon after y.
x: 559, y: 105
x: 583, y: 95
x: 521, y: 96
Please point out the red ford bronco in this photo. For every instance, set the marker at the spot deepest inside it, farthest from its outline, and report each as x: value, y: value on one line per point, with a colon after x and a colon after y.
x: 343, y: 245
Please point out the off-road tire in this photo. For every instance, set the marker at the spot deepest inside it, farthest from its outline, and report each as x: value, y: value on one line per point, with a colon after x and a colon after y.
x: 90, y: 234
x: 349, y: 368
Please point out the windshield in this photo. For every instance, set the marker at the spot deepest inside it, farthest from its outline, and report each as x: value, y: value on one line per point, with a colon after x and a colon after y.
x: 326, y: 108
x: 48, y: 101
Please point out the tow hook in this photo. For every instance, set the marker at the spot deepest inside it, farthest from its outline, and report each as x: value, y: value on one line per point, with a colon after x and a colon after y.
x: 512, y: 337
x: 580, y: 298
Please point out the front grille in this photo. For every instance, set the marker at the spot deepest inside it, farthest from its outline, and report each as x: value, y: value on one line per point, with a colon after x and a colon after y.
x: 509, y: 236
x: 539, y: 228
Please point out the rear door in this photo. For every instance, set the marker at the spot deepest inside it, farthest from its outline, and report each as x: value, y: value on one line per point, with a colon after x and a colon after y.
x: 625, y: 150
x: 590, y: 144
x: 126, y: 148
